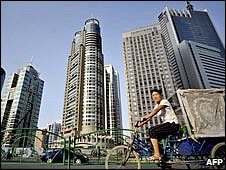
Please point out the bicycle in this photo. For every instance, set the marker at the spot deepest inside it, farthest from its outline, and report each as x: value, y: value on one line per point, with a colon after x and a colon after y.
x: 120, y: 155
x: 177, y: 148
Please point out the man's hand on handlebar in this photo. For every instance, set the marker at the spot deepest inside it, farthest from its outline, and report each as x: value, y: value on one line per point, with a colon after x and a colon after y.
x: 137, y: 124
x: 142, y: 122
x: 143, y: 119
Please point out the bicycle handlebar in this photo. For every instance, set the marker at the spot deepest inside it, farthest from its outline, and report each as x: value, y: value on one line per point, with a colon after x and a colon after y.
x: 137, y: 123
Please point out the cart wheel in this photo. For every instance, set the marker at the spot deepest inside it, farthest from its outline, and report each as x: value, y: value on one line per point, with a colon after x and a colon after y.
x: 218, y: 152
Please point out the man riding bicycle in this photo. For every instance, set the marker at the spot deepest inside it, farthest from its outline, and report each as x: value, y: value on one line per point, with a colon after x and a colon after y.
x: 169, y: 126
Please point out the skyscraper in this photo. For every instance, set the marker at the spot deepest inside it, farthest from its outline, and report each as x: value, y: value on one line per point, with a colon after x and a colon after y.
x: 203, y: 64
x: 2, y: 77
x: 113, y: 114
x: 190, y: 25
x: 21, y: 103
x: 146, y: 67
x: 84, y: 92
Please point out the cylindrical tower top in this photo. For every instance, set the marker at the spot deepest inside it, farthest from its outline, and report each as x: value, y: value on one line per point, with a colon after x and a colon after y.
x: 77, y: 33
x: 92, y: 26
x: 77, y: 40
x: 92, y: 20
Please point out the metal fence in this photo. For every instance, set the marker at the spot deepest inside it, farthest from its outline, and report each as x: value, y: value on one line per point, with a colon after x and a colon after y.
x: 22, y: 147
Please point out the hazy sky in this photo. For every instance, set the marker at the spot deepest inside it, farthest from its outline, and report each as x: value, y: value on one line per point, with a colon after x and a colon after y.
x: 45, y: 31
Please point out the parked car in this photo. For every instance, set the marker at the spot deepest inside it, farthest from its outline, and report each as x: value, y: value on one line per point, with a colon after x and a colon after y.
x: 56, y: 156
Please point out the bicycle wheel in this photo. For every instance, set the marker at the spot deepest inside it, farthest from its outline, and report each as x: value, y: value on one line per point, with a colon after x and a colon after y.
x: 218, y: 152
x: 115, y: 159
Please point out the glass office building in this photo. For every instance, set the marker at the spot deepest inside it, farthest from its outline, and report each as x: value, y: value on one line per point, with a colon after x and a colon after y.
x: 190, y: 25
x: 204, y: 66
x: 21, y: 104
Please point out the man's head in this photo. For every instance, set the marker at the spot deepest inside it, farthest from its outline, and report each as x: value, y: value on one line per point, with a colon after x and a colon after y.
x: 156, y: 95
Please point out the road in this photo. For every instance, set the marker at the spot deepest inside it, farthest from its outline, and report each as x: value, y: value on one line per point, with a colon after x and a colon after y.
x: 17, y: 165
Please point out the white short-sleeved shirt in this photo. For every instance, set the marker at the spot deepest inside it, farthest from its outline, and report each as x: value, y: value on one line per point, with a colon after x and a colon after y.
x: 167, y: 114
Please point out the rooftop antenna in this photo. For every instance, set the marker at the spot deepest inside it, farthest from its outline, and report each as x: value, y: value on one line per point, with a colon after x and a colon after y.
x: 30, y: 63
x: 189, y: 6
x: 92, y: 15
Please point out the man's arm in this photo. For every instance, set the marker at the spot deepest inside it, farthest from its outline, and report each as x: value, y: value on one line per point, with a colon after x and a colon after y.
x: 149, y: 116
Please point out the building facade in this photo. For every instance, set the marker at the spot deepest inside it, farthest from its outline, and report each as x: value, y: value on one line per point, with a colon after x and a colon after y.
x: 204, y: 68
x: 21, y: 103
x: 190, y: 25
x: 146, y: 67
x: 113, y: 113
x: 40, y: 140
x: 2, y: 77
x: 84, y: 93
x: 53, y: 127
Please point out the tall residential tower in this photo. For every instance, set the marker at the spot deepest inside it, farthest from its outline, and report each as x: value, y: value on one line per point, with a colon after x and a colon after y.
x: 84, y: 93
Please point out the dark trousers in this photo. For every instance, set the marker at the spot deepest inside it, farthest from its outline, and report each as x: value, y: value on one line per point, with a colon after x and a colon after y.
x: 163, y: 130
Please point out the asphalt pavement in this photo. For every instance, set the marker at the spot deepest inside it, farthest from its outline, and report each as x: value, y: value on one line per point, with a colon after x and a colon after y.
x: 16, y: 165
